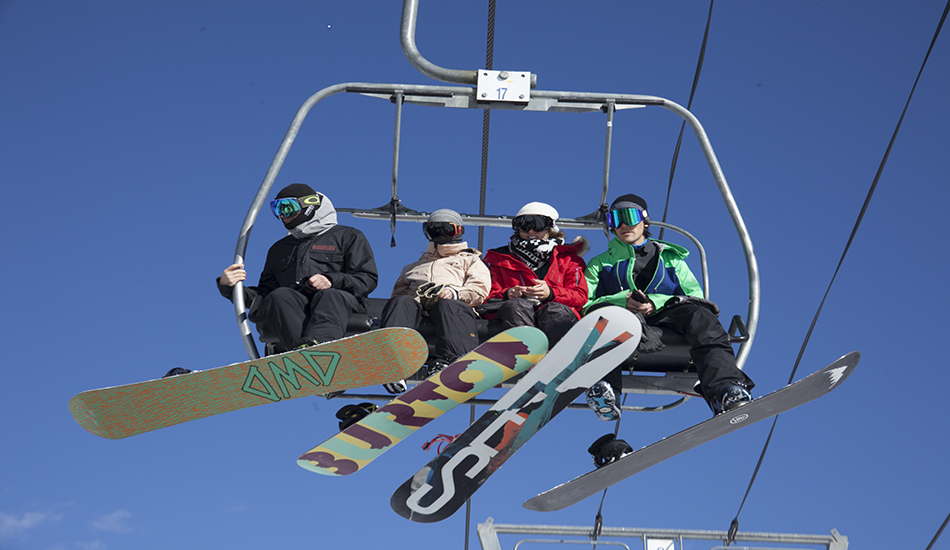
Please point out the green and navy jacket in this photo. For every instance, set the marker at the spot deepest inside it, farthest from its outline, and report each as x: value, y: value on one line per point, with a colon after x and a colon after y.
x: 610, y: 276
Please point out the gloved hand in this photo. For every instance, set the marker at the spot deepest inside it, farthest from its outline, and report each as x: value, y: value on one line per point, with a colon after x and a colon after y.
x: 428, y: 294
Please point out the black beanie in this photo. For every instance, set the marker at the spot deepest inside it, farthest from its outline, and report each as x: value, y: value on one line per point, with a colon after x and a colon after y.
x: 295, y: 190
x: 631, y: 201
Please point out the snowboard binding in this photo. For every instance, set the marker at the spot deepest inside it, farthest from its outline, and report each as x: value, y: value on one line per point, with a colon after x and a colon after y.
x: 351, y: 414
x: 608, y: 449
x: 177, y: 371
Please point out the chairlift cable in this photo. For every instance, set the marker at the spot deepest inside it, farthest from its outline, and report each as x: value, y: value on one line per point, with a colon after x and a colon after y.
x: 937, y: 536
x: 689, y: 104
x: 482, y: 193
x: 599, y: 518
x: 486, y: 121
x: 598, y: 522
x: 735, y: 522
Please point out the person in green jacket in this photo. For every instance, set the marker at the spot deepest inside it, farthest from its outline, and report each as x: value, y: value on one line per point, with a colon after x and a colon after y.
x: 651, y: 278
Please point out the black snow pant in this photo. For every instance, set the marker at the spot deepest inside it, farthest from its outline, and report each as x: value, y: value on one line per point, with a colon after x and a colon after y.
x: 710, y: 349
x: 320, y: 315
x: 554, y: 319
x: 453, y: 320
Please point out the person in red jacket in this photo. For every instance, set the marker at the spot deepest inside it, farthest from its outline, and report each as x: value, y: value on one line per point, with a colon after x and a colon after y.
x: 539, y: 279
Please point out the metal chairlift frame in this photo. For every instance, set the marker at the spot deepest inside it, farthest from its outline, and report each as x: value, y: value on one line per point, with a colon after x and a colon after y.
x: 530, y: 99
x: 489, y: 530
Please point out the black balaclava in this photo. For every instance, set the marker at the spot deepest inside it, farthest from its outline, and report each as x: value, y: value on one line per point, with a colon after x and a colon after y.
x: 297, y: 190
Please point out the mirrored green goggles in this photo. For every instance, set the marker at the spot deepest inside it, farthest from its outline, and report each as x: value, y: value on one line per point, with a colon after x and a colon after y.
x: 621, y: 216
x: 290, y: 207
x: 285, y: 208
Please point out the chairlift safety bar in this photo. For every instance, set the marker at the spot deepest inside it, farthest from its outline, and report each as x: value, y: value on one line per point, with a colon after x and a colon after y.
x: 541, y: 100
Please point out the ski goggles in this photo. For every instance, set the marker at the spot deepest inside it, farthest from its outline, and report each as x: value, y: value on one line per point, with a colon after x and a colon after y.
x: 290, y: 207
x: 531, y: 222
x: 442, y: 231
x: 624, y: 216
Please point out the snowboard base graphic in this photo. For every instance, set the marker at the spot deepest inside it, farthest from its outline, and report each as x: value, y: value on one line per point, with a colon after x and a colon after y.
x: 375, y: 357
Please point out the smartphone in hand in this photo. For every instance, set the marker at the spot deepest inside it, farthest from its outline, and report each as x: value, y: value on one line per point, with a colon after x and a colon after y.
x: 638, y: 296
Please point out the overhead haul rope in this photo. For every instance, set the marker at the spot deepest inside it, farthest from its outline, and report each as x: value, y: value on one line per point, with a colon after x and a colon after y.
x: 486, y: 120
x: 599, y: 518
x: 734, y: 526
x: 692, y: 93
x: 937, y: 536
x: 482, y: 192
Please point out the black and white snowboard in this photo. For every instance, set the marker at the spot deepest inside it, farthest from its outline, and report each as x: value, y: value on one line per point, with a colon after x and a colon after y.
x: 789, y: 397
x: 435, y: 492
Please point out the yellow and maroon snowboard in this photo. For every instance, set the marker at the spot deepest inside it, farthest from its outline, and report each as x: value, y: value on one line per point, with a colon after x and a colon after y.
x: 499, y: 359
x: 376, y: 357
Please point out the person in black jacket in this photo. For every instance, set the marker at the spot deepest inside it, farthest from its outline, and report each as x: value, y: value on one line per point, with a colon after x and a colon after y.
x: 313, y: 278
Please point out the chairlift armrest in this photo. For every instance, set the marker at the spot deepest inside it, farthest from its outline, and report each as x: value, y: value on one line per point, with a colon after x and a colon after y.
x: 738, y: 332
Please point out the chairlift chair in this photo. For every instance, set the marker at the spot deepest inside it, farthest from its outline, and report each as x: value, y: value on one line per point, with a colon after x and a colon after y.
x: 669, y: 371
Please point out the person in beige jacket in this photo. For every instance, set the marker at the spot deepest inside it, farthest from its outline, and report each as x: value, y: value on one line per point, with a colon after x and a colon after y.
x: 445, y: 284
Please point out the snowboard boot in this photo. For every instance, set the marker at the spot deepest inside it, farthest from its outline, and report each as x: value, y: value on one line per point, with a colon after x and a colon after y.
x: 175, y: 372
x: 304, y: 342
x: 351, y: 414
x: 433, y: 366
x: 600, y: 398
x: 732, y: 397
x: 608, y: 449
x: 396, y: 388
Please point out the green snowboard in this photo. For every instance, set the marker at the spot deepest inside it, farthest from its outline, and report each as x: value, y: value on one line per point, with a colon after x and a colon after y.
x: 376, y: 357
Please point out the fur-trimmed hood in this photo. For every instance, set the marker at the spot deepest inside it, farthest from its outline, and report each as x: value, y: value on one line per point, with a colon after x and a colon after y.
x: 581, y: 244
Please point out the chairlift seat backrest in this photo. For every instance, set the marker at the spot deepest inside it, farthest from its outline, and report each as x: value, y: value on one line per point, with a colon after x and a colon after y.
x: 672, y: 358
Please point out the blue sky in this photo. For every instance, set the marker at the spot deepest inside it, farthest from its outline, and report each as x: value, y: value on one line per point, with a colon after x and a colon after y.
x: 133, y: 136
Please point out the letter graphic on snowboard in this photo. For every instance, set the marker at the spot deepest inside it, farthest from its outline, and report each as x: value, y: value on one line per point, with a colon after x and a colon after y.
x: 495, y: 361
x: 435, y: 492
x: 376, y: 357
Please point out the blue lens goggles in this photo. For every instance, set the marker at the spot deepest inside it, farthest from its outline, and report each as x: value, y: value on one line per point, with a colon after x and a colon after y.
x: 290, y: 207
x: 624, y: 216
x: 285, y: 208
